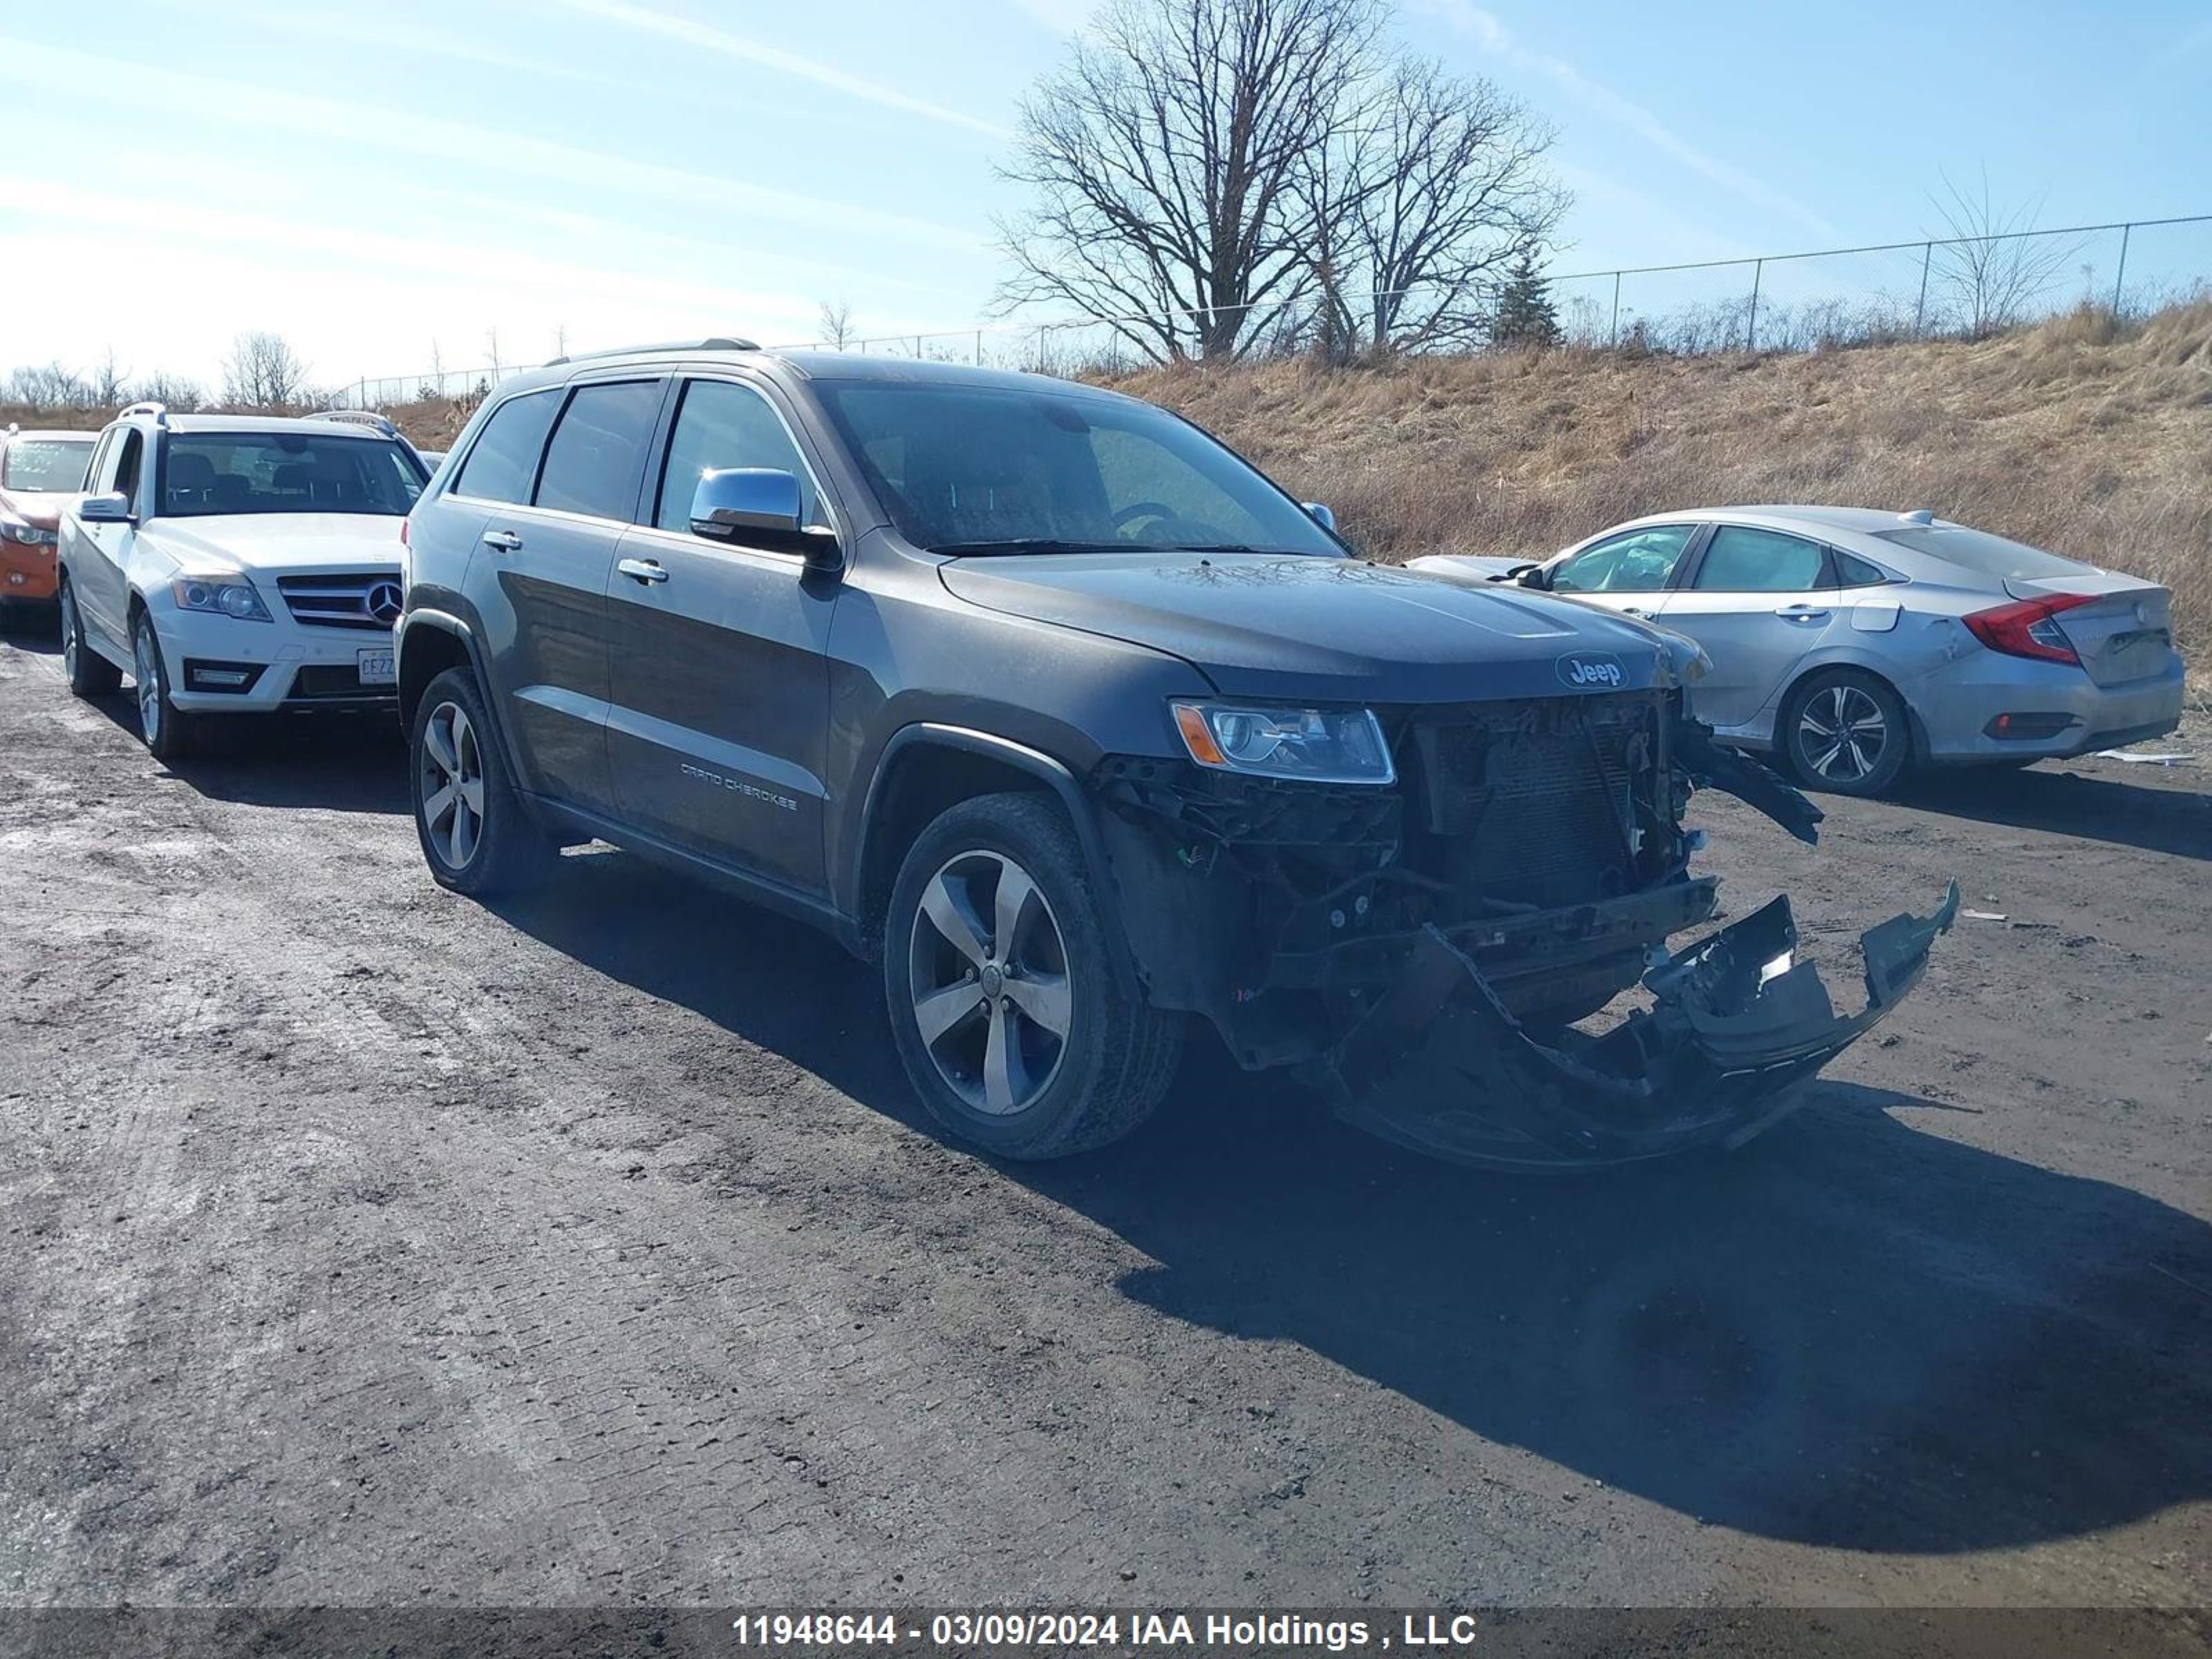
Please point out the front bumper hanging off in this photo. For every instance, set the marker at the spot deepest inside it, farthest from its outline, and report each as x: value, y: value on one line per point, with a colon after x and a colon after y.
x: 1738, y: 1027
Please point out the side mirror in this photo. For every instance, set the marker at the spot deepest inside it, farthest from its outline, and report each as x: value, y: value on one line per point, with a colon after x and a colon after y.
x: 760, y: 506
x: 1534, y: 575
x: 1322, y: 515
x: 105, y: 509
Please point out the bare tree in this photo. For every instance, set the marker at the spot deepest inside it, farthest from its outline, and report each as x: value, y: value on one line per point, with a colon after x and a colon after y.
x: 1991, y: 265
x: 111, y: 381
x: 1165, y: 157
x: 835, y: 323
x: 1438, y: 190
x: 262, y: 372
x: 49, y: 385
x: 170, y: 391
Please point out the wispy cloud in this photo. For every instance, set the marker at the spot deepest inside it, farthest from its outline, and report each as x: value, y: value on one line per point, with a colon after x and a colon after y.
x: 2195, y: 40
x: 1486, y: 29
x: 141, y: 87
x: 169, y: 221
x: 356, y: 29
x: 706, y: 36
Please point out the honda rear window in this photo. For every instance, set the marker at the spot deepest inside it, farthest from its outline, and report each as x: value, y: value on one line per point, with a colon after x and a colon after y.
x: 1980, y: 551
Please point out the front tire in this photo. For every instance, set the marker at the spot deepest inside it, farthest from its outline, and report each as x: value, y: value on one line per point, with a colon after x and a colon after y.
x: 170, y: 734
x: 476, y: 835
x: 1846, y: 732
x: 1004, y: 1003
x: 89, y: 674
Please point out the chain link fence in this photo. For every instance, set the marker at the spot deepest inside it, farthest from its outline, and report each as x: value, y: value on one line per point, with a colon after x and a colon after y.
x: 1934, y: 287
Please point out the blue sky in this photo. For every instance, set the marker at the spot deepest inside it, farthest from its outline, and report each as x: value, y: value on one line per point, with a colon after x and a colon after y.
x: 376, y: 180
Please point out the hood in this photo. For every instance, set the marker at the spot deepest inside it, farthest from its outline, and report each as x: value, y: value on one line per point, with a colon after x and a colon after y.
x: 280, y: 541
x: 1470, y: 567
x: 1269, y: 625
x: 42, y: 507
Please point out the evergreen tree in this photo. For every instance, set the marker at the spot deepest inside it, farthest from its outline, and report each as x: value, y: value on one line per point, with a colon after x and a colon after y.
x: 1526, y: 315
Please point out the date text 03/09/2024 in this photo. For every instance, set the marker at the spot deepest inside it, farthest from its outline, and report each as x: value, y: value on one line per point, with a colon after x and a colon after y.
x: 1227, y: 1632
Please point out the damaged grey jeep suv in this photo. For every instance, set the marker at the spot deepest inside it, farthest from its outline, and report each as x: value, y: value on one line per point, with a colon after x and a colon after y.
x: 1087, y: 731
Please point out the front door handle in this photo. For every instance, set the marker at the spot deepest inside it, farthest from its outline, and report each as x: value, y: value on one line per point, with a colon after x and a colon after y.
x: 1631, y: 611
x: 505, y: 540
x: 643, y: 570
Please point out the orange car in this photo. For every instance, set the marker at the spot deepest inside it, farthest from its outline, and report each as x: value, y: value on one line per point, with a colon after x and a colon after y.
x: 40, y: 472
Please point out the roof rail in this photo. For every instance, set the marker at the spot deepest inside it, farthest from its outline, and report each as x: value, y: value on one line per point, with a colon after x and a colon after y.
x: 159, y: 411
x: 711, y: 342
x: 355, y: 417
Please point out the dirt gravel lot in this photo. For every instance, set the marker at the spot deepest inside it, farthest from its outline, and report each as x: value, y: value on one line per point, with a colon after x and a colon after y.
x: 362, y: 1244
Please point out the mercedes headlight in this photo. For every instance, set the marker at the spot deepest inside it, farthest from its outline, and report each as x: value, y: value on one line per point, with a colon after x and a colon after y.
x: 1320, y: 745
x: 223, y: 596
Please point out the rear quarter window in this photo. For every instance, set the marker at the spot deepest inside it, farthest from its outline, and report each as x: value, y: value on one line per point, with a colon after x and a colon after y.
x: 503, y: 463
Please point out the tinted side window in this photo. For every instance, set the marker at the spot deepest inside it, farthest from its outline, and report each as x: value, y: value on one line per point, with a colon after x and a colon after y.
x: 504, y: 460
x: 1639, y: 562
x: 598, y: 452
x: 725, y: 425
x: 1740, y: 560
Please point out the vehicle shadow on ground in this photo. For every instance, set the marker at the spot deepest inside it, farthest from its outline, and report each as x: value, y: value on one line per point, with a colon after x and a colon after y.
x: 1855, y: 1334
x: 2173, y: 817
x: 338, y: 763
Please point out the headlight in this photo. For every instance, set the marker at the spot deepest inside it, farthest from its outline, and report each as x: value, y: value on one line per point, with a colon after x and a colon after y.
x: 1321, y: 745
x: 225, y: 598
x: 24, y: 535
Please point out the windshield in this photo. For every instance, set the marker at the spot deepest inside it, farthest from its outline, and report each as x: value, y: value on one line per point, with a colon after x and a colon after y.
x: 1978, y: 551
x: 970, y: 469
x: 211, y: 472
x: 56, y: 464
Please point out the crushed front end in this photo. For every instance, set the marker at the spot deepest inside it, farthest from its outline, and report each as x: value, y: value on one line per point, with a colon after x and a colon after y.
x: 1422, y: 951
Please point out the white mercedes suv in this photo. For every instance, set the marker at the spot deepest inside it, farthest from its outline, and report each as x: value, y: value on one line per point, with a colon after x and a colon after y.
x: 236, y: 564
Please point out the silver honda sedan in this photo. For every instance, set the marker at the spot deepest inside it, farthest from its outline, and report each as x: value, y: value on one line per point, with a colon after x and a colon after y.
x: 1855, y: 645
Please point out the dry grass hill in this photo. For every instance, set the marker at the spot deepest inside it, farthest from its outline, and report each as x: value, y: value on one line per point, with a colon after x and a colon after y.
x: 2089, y: 440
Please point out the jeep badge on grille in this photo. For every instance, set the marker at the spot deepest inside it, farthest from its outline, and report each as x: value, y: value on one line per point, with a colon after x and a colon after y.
x: 1587, y: 672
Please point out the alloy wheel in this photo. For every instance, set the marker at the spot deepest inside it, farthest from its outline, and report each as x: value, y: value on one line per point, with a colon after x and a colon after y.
x: 450, y: 785
x: 146, y: 670
x: 69, y: 632
x: 990, y: 982
x: 1842, y: 734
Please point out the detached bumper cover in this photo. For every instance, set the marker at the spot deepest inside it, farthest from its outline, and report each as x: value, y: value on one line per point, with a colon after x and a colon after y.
x: 1739, y: 1026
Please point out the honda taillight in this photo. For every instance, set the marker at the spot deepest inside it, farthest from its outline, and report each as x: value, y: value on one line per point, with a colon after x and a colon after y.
x: 2027, y: 628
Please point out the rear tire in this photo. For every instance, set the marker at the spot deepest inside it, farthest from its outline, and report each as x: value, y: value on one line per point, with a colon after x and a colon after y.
x: 477, y: 836
x: 89, y: 674
x: 1846, y: 732
x: 1007, y: 1012
x: 170, y: 734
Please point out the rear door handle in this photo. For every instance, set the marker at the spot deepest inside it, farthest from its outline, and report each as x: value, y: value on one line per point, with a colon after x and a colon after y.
x: 1631, y: 611
x: 643, y: 570
x: 1804, y: 613
x: 505, y: 540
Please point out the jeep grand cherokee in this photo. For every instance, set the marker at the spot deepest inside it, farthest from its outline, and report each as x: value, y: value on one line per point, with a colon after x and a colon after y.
x: 1084, y: 729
